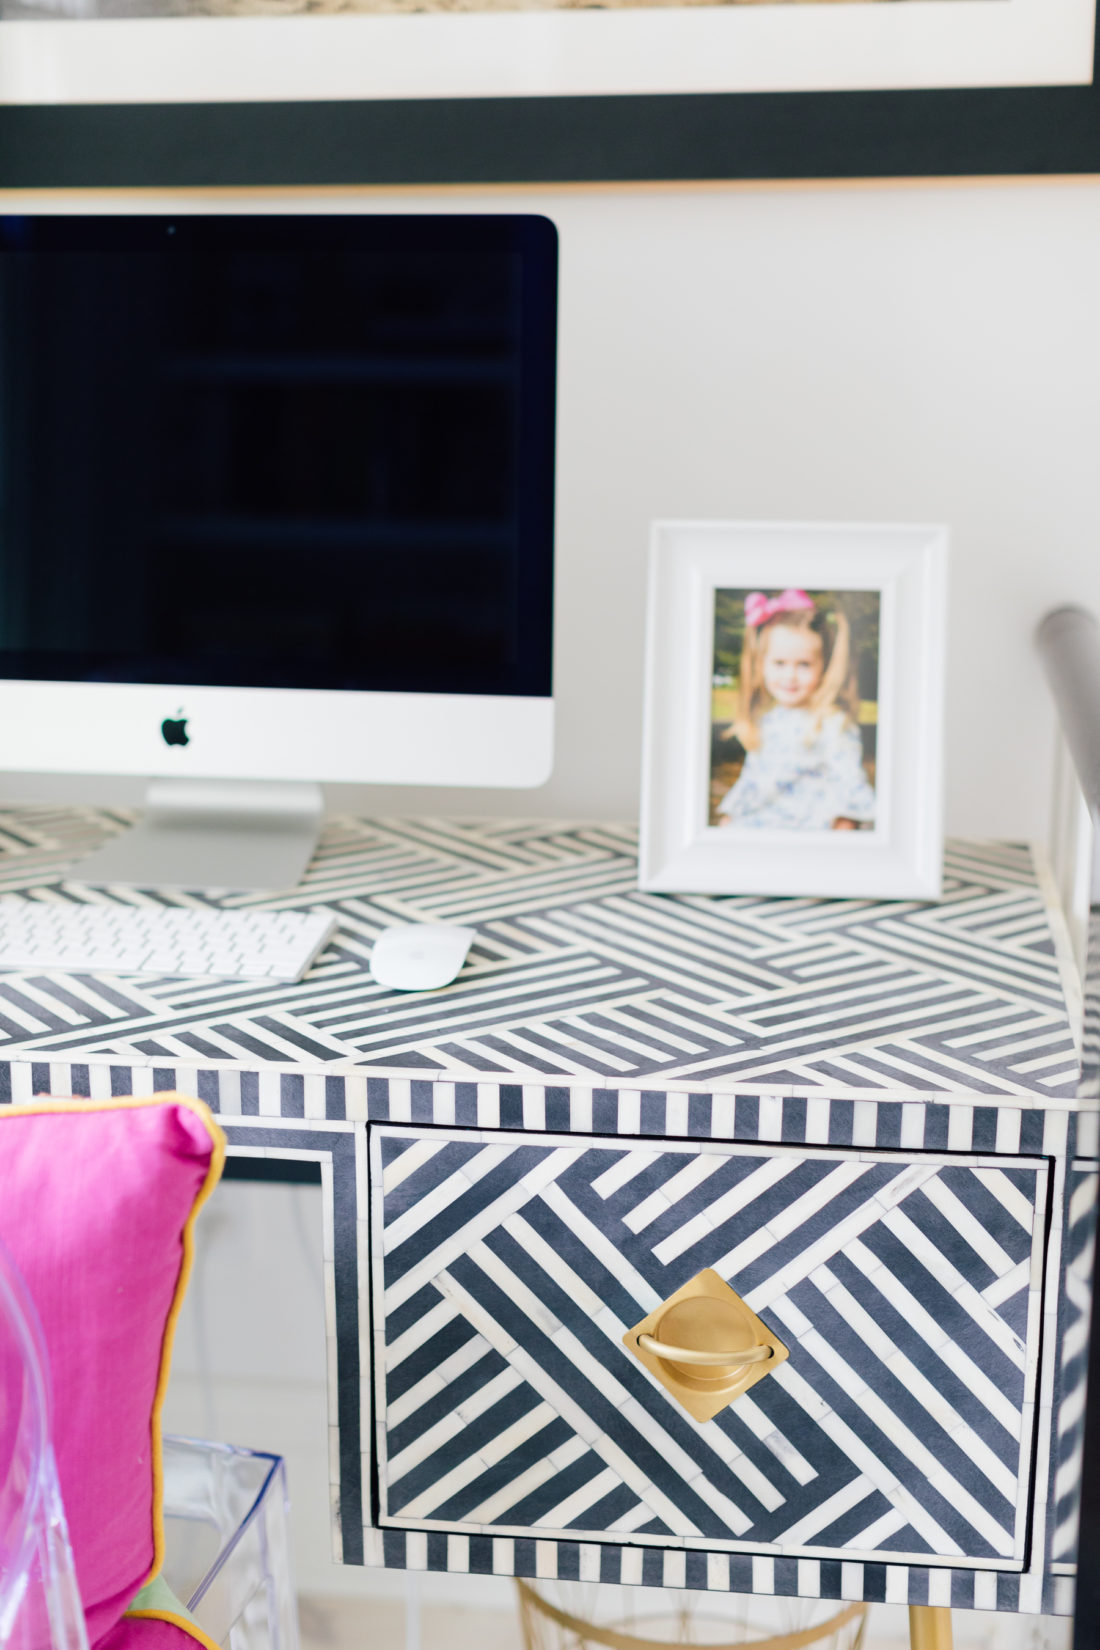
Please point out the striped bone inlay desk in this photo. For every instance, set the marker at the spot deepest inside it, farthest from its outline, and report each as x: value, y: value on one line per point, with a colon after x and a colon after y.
x: 861, y: 1114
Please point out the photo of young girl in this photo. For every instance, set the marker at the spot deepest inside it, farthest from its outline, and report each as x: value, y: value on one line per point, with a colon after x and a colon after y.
x: 794, y: 710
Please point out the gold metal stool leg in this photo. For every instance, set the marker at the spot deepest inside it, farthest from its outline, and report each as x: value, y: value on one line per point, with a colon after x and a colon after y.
x: 929, y: 1627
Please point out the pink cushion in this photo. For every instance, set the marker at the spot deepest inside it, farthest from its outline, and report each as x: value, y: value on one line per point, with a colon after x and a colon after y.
x: 143, y: 1632
x: 96, y: 1203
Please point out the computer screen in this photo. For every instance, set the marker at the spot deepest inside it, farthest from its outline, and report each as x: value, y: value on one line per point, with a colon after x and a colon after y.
x: 292, y: 452
x: 276, y: 505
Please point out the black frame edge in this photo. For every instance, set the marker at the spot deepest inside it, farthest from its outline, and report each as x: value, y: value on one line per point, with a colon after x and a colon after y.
x: 665, y: 137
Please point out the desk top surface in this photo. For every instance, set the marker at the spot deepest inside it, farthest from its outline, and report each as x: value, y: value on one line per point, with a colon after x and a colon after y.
x: 577, y: 975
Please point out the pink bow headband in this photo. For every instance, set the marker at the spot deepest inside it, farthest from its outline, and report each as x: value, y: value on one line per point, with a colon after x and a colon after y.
x: 760, y: 608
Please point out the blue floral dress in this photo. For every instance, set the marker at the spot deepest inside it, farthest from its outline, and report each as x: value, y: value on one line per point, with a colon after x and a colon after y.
x: 801, y: 780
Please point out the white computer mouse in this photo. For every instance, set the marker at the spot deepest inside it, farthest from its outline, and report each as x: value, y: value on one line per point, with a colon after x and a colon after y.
x: 419, y: 956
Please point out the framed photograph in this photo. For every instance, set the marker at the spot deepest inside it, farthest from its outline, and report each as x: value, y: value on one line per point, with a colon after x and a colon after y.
x: 198, y: 93
x: 794, y: 710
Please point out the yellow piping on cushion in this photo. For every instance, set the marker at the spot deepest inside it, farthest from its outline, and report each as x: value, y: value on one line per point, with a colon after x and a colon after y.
x: 181, y: 1622
x: 213, y: 1174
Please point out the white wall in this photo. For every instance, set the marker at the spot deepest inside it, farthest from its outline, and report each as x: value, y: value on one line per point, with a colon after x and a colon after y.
x: 927, y: 353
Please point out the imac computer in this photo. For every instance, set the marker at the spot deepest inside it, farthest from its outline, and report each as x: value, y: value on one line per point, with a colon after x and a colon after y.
x: 276, y: 507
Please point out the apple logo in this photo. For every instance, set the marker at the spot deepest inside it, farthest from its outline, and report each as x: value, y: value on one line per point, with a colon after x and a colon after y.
x: 174, y: 730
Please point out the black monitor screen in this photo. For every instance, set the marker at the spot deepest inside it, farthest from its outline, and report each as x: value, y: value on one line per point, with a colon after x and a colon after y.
x: 278, y: 451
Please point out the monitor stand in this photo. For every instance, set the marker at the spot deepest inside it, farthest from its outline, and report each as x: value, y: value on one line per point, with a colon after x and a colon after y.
x: 203, y: 834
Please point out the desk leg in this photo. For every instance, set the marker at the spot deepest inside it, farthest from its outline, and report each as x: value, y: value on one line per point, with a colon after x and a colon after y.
x: 929, y: 1627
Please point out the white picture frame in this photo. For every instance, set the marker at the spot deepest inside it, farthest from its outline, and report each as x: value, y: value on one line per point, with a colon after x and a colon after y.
x: 895, y: 850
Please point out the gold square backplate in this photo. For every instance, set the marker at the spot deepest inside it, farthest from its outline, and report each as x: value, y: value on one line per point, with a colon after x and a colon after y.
x: 704, y: 1319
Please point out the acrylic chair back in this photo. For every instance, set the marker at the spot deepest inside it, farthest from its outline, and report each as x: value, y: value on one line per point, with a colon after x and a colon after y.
x: 40, y: 1605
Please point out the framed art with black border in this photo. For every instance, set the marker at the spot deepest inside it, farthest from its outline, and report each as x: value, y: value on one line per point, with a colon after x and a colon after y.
x: 151, y: 93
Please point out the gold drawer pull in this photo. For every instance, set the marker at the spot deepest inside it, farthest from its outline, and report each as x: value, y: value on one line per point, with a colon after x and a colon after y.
x: 689, y: 1355
x: 705, y: 1345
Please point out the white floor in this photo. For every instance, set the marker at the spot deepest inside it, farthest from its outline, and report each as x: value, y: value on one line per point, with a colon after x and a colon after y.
x: 388, y: 1623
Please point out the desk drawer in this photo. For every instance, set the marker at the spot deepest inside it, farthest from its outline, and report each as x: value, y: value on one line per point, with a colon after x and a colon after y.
x: 906, y: 1286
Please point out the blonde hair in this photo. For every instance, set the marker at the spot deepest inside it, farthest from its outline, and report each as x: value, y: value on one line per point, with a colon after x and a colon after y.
x: 836, y: 690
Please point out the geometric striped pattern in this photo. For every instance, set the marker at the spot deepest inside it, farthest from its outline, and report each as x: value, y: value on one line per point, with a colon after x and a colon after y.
x: 896, y: 1121
x: 577, y: 974
x: 1073, y: 1340
x: 589, y: 1010
x: 777, y: 1574
x: 905, y: 1288
x: 272, y: 1112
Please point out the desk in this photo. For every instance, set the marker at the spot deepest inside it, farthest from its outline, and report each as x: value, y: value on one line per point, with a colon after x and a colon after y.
x: 514, y: 1166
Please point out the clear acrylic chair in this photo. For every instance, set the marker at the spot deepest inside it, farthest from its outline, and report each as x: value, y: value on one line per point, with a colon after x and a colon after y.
x: 227, y: 1543
x: 226, y: 1523
x: 39, y: 1599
